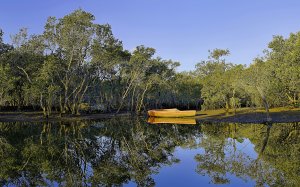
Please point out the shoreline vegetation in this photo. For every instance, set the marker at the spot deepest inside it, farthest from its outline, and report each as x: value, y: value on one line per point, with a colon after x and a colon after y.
x: 243, y: 115
x: 76, y: 66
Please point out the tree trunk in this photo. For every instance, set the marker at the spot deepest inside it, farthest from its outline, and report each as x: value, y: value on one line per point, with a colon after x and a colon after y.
x: 42, y: 106
x: 60, y: 105
x: 227, y: 105
x: 233, y: 100
x: 142, y: 98
x: 265, y: 102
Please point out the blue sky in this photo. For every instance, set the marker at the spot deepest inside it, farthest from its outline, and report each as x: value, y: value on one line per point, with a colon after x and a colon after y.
x: 181, y: 30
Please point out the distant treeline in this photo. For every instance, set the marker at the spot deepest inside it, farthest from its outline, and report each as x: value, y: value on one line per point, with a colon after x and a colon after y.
x: 79, y: 65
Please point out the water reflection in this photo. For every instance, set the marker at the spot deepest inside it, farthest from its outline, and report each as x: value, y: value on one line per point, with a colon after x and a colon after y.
x: 118, y: 151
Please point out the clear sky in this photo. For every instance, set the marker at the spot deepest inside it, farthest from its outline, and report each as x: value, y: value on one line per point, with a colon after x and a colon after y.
x: 181, y: 30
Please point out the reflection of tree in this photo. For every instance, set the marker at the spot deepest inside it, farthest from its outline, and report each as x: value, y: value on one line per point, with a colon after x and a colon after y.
x: 277, y: 145
x: 116, y: 151
x: 143, y: 148
x: 221, y: 155
x: 106, y: 153
x: 283, y: 151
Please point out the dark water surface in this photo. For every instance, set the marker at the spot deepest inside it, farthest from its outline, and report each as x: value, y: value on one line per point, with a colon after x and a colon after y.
x: 131, y: 152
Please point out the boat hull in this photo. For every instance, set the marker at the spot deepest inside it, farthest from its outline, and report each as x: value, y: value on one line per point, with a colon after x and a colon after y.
x: 154, y: 120
x: 171, y: 113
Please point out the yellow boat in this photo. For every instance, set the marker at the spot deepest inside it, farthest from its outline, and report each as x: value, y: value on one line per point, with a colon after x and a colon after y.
x: 154, y: 120
x: 171, y: 113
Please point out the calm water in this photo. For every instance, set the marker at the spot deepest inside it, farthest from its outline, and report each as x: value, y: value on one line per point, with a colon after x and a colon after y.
x: 131, y: 152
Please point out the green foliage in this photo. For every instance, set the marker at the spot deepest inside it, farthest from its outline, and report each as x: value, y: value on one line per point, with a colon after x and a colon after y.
x: 187, y: 89
x: 221, y: 81
x: 4, y: 48
x: 270, y: 81
x: 6, y: 84
x: 78, y: 61
x: 284, y: 62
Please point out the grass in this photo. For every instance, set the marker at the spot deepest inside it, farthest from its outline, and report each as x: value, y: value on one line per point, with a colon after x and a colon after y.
x: 252, y: 115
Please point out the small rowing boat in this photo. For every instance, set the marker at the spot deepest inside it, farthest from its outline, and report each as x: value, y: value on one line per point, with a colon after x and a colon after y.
x: 171, y: 113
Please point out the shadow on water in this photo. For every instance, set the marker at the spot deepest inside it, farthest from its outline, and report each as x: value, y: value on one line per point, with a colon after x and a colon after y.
x: 117, y: 151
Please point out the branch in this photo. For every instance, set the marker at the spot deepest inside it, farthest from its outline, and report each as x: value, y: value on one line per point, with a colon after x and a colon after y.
x: 25, y: 73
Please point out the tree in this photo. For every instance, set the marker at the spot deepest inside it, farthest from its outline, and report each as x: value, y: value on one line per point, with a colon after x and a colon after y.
x: 46, y: 85
x: 4, y: 48
x: 134, y: 74
x: 187, y: 88
x: 257, y: 82
x: 72, y: 37
x: 23, y: 61
x: 6, y: 84
x: 108, y: 59
x: 216, y: 90
x: 284, y: 62
x: 6, y: 79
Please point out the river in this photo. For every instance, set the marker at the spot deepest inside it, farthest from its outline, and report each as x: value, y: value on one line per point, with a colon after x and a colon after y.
x: 127, y: 151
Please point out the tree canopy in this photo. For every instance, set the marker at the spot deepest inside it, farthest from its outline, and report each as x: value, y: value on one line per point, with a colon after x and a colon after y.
x: 77, y: 64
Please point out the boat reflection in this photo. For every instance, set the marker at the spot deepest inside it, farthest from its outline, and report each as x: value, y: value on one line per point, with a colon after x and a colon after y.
x: 153, y: 120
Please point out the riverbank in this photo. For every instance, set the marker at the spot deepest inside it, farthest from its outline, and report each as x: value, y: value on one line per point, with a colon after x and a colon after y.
x: 243, y: 115
x: 38, y: 117
x: 250, y: 115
